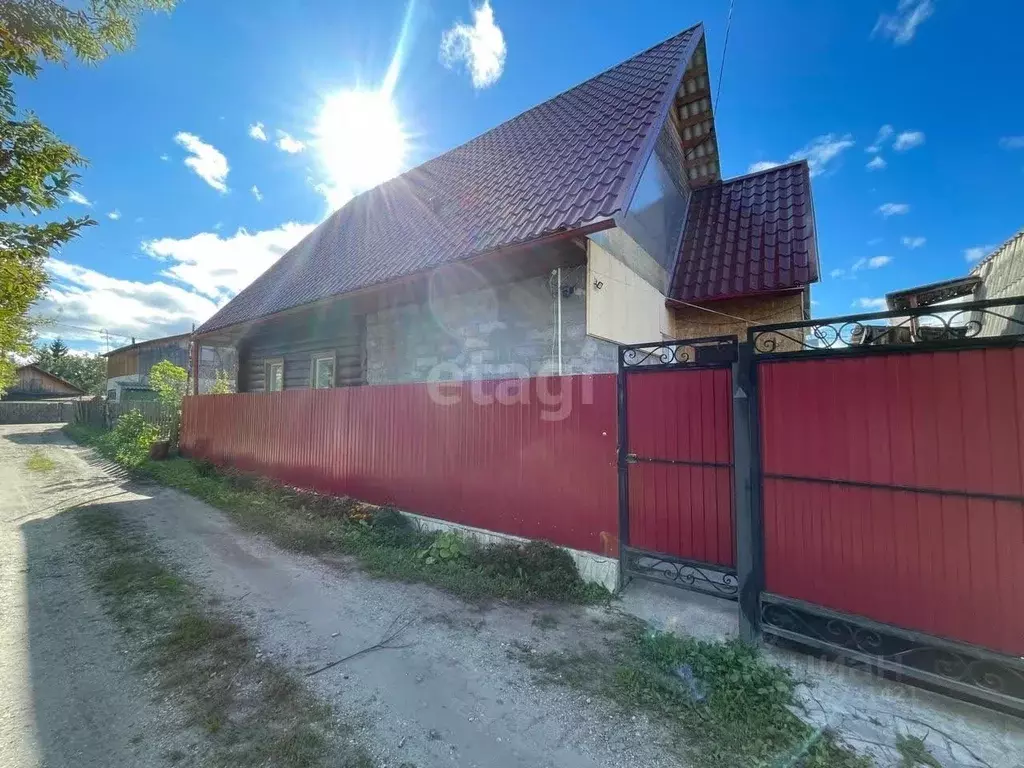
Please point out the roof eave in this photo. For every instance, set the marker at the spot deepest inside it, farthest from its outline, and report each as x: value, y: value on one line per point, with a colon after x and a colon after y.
x: 598, y: 225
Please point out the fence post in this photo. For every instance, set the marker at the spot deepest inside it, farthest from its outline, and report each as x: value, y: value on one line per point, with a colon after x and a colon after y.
x: 747, y: 481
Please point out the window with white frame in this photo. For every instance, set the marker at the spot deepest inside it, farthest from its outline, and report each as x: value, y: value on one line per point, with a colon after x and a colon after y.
x: 322, y: 373
x: 275, y: 375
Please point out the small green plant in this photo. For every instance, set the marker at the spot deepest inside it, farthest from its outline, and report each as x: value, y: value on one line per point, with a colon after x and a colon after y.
x: 447, y: 547
x: 914, y: 752
x: 129, y: 441
x: 222, y: 384
x: 40, y: 462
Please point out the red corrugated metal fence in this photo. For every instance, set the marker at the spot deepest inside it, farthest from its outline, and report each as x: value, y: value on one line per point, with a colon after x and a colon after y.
x: 679, y: 426
x: 534, y: 457
x: 928, y: 551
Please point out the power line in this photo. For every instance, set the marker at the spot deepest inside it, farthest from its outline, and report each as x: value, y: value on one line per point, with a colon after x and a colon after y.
x: 725, y: 50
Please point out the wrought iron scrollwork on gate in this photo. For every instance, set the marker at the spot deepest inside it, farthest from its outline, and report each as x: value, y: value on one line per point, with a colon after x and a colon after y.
x: 938, y: 326
x: 967, y: 669
x: 691, y: 353
x: 700, y: 577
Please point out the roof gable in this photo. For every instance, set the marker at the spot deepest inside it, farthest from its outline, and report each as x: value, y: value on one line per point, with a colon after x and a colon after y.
x: 565, y: 164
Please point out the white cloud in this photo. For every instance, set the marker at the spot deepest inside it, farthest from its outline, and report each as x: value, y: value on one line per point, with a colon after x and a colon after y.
x: 908, y: 140
x: 288, y: 143
x: 74, y: 196
x: 206, y: 160
x: 114, y: 215
x: 165, y: 157
x: 871, y: 304
x: 256, y: 131
x: 883, y: 136
x: 1012, y: 142
x: 977, y: 252
x: 257, y: 194
x: 873, y: 263
x: 877, y: 163
x: 480, y: 46
x: 89, y: 299
x: 893, y: 209
x: 218, y: 267
x: 818, y: 153
x: 874, y: 241
x: 901, y: 26
x: 837, y: 273
x: 823, y: 150
x: 913, y: 242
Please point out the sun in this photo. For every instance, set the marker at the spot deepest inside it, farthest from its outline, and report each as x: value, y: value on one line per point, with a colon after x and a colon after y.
x: 360, y: 140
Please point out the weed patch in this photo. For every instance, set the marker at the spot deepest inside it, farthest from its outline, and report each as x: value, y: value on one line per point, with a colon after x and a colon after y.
x: 252, y: 711
x: 40, y: 462
x: 728, y: 707
x: 383, y: 541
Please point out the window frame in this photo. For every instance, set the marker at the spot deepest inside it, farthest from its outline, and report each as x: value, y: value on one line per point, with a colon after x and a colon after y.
x: 268, y: 364
x: 315, y: 358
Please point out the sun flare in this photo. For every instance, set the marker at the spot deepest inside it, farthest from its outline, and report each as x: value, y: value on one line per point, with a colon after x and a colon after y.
x: 360, y: 140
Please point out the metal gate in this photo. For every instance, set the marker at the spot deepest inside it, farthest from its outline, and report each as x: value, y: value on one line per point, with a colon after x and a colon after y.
x: 676, y: 510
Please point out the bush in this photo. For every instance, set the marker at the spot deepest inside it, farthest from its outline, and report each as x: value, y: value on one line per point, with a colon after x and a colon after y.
x: 129, y: 441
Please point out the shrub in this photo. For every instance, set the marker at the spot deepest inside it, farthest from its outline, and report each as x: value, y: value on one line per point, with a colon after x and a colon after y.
x: 546, y: 571
x: 129, y: 441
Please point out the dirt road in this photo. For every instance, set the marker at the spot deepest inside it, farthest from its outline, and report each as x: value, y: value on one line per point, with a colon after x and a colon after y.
x: 450, y: 696
x: 68, y: 695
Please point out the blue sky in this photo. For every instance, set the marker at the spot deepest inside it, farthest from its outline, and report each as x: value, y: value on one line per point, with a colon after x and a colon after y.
x: 930, y: 91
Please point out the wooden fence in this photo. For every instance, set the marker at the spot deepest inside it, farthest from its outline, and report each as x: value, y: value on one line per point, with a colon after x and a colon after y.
x: 37, y: 411
x: 104, y: 415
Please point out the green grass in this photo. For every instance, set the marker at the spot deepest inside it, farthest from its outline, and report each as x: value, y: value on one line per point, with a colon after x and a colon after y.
x: 383, y: 541
x: 726, y: 705
x: 40, y: 462
x: 252, y: 711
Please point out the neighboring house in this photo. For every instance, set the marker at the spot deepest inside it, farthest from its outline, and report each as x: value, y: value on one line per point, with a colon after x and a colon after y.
x: 128, y: 367
x: 33, y: 383
x: 598, y: 217
x: 999, y: 275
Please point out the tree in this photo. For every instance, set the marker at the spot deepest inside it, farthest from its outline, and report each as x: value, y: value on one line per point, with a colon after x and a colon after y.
x: 169, y: 381
x: 87, y: 372
x: 58, y: 349
x: 36, y: 168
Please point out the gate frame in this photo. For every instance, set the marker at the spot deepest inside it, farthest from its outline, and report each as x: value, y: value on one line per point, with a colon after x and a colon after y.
x: 950, y: 666
x: 651, y: 358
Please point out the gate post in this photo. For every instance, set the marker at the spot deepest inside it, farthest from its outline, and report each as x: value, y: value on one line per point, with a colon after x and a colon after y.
x: 747, y: 493
x: 623, y: 469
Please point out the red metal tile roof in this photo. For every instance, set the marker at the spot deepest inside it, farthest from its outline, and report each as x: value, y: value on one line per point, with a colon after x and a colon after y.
x: 562, y: 165
x: 752, y: 234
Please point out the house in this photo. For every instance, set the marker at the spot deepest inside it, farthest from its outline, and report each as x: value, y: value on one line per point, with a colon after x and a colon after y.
x: 596, y: 218
x: 999, y: 275
x: 128, y: 367
x: 33, y: 383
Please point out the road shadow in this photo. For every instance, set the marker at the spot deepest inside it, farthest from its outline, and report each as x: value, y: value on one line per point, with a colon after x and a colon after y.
x: 49, y: 436
x: 90, y: 708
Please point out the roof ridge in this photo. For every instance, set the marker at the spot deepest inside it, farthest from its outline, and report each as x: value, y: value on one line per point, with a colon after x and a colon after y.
x: 997, y: 250
x: 528, y: 110
x: 752, y: 174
